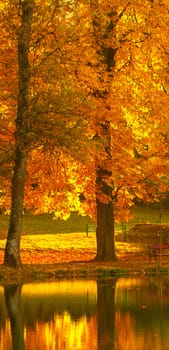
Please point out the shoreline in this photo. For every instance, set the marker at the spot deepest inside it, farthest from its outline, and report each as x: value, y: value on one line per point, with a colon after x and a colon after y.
x: 88, y: 269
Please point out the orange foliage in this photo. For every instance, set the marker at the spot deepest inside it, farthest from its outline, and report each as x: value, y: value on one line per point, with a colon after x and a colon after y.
x: 64, y: 135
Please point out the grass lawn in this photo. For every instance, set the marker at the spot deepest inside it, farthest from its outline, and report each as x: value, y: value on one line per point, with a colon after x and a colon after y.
x: 72, y: 256
x: 60, y: 249
x: 44, y: 224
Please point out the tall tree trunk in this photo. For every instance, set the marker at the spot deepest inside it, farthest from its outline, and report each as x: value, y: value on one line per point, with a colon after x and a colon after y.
x: 104, y: 204
x: 12, y: 249
x: 105, y: 238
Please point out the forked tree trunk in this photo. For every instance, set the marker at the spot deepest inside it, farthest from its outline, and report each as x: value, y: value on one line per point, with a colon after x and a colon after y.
x: 12, y: 249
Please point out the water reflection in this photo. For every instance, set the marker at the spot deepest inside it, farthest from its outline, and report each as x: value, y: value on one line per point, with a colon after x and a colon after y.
x: 59, y: 315
x: 108, y: 314
x: 12, y: 298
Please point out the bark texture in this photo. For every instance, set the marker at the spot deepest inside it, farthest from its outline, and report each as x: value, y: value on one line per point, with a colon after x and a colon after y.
x: 105, y: 222
x: 12, y: 249
x: 104, y: 184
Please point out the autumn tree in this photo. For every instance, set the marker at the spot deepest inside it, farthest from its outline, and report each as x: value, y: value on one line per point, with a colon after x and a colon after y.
x: 104, y: 34
x: 128, y: 165
x: 44, y: 107
x: 86, y: 121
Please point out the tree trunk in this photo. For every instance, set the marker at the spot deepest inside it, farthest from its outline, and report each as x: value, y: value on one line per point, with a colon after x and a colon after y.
x: 12, y: 249
x: 105, y: 198
x: 105, y: 233
x: 105, y: 218
x: 105, y: 237
x: 104, y: 183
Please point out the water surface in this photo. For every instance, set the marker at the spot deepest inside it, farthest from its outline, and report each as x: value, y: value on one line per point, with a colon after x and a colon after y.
x: 108, y: 314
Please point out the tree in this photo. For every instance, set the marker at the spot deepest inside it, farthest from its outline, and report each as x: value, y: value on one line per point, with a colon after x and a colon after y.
x: 104, y: 25
x: 42, y: 123
x: 127, y: 163
x: 12, y: 256
x: 84, y: 104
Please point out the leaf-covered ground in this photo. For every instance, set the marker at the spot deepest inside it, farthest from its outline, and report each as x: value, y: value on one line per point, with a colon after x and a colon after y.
x: 71, y: 255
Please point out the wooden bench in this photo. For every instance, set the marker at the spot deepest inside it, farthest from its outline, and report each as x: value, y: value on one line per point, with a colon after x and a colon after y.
x: 157, y: 250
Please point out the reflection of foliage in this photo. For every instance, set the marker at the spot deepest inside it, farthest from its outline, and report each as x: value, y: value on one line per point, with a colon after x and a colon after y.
x: 43, y: 308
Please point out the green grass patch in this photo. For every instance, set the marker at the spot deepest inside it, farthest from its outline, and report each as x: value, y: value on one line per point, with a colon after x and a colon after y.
x: 111, y: 272
x: 156, y: 270
x: 150, y: 214
x: 44, y: 224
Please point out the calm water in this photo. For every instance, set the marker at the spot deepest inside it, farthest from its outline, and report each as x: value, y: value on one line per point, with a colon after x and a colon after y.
x: 108, y: 314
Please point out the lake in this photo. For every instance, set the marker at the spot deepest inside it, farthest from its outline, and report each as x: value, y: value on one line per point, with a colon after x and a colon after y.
x: 104, y: 314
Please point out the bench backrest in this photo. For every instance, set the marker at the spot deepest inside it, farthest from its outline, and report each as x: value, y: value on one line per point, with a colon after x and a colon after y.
x: 158, y: 246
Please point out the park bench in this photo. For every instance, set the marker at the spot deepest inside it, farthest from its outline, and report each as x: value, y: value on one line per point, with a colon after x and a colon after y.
x: 157, y: 250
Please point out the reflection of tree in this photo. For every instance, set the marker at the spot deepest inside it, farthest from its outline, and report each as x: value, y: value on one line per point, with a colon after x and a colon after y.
x: 106, y: 313
x: 12, y: 299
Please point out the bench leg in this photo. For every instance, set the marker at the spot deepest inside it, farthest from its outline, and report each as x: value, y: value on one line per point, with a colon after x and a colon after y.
x: 153, y: 256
